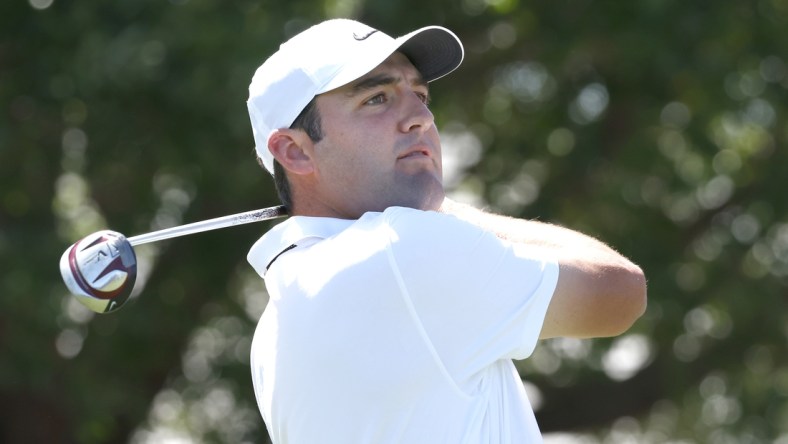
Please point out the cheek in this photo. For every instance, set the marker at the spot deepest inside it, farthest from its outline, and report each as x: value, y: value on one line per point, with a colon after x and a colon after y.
x: 355, y: 151
x: 342, y: 159
x: 436, y: 143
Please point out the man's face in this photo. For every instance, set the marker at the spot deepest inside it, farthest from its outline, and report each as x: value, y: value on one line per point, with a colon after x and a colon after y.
x: 380, y: 146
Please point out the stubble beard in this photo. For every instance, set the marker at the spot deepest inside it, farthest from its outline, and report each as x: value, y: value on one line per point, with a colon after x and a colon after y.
x: 423, y: 192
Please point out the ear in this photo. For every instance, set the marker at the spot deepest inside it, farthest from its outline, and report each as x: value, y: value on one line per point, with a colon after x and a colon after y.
x: 292, y: 149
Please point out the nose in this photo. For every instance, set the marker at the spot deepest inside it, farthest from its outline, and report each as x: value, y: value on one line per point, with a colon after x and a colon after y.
x: 416, y: 115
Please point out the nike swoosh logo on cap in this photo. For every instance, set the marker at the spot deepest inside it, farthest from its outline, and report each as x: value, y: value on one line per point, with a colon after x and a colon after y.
x: 360, y: 38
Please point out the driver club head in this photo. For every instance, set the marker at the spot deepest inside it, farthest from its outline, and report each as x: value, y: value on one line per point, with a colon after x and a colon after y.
x: 100, y: 270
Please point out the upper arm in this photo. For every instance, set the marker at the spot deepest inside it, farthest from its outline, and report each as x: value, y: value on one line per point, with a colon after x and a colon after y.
x: 478, y: 298
x: 596, y: 296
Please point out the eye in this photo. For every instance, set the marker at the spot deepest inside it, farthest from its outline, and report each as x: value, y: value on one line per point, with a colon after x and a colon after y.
x: 376, y: 99
x: 425, y: 97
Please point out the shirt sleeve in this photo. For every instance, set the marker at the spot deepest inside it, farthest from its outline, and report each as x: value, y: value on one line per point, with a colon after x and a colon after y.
x: 479, y: 298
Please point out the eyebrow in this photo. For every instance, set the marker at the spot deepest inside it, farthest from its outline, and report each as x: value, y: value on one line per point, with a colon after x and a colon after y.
x: 375, y: 81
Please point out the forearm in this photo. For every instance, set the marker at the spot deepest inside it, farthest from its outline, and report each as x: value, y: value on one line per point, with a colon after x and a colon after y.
x: 599, y: 291
x: 525, y: 231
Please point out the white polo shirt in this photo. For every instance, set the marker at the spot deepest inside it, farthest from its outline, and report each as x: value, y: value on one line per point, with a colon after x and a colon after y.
x: 398, y: 327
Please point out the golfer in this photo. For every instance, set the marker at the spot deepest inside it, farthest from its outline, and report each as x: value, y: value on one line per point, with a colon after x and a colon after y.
x: 395, y: 313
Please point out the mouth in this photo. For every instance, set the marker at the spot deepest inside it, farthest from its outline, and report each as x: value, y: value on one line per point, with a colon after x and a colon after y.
x: 416, y: 152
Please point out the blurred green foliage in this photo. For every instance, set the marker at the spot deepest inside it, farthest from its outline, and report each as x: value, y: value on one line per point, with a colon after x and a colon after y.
x: 658, y: 126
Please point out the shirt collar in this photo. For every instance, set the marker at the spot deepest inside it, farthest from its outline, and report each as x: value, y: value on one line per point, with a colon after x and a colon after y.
x: 290, y: 232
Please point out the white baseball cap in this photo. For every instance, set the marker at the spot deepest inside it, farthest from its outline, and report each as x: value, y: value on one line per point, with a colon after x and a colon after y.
x: 332, y: 54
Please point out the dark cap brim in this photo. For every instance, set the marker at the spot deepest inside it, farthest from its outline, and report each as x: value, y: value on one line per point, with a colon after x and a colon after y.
x: 434, y: 51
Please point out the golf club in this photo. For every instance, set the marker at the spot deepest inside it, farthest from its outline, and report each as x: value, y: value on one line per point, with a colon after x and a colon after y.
x: 101, y: 268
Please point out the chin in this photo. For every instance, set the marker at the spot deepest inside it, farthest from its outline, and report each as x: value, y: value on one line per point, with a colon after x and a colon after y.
x: 421, y: 192
x: 432, y: 194
x: 433, y: 202
x: 427, y: 199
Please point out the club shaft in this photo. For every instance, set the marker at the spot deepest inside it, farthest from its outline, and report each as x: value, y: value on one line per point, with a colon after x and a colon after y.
x: 210, y: 224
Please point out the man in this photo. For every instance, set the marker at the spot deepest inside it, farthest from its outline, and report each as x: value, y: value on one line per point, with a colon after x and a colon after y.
x: 395, y: 313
